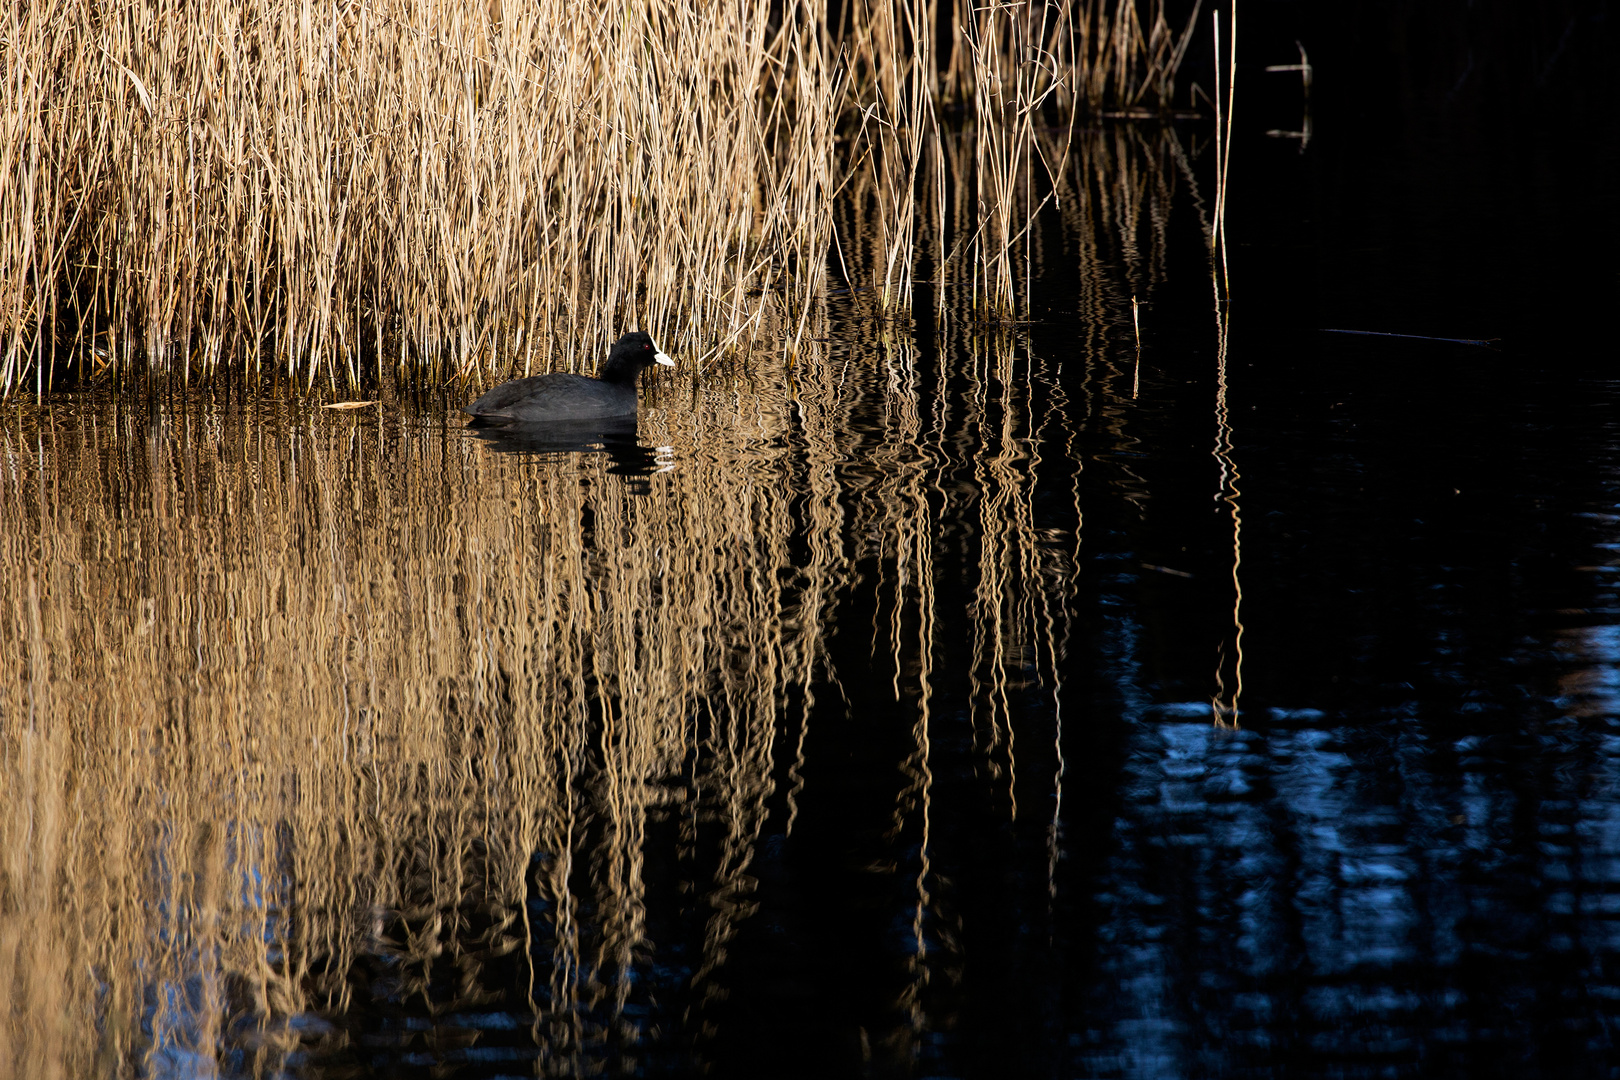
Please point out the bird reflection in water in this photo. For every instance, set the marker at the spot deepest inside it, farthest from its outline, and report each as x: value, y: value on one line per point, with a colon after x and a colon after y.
x: 615, y: 437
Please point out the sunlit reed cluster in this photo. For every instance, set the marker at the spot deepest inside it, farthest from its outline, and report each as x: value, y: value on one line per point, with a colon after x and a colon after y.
x: 333, y: 192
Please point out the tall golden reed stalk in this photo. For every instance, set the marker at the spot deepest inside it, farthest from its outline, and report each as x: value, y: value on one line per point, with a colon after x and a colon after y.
x: 452, y: 190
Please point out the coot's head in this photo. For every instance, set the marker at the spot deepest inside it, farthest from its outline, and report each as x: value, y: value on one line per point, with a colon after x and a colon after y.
x: 630, y: 354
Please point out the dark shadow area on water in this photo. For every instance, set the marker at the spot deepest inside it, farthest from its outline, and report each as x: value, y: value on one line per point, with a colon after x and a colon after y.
x: 1402, y: 860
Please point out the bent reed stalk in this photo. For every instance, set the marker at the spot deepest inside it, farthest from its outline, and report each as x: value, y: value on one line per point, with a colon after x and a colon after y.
x: 440, y: 191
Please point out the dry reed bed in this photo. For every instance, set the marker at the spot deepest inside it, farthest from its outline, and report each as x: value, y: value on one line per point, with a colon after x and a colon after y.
x: 450, y: 185
x: 468, y: 190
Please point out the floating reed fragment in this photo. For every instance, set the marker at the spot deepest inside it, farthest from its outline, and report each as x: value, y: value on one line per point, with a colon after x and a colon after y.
x: 1487, y: 343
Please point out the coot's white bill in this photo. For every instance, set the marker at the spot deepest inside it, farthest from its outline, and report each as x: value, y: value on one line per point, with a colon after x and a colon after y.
x: 663, y: 358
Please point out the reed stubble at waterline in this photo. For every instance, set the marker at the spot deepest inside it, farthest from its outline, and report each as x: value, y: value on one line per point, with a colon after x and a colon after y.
x: 471, y: 192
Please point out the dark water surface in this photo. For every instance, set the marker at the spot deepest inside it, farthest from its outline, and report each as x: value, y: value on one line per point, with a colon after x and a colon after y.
x: 937, y: 706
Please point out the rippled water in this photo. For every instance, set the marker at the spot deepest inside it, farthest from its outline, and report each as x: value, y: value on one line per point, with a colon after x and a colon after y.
x: 920, y: 704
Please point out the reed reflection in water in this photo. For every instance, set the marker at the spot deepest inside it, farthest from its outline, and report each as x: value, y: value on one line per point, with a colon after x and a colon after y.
x: 359, y: 739
x: 296, y: 689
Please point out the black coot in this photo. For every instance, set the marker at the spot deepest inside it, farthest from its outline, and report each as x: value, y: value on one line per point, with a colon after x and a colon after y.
x: 557, y: 397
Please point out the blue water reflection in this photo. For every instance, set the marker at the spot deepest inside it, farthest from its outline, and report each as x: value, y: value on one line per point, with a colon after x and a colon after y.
x: 1366, y: 899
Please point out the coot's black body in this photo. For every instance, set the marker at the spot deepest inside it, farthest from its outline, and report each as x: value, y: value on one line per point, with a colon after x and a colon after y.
x: 558, y: 397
